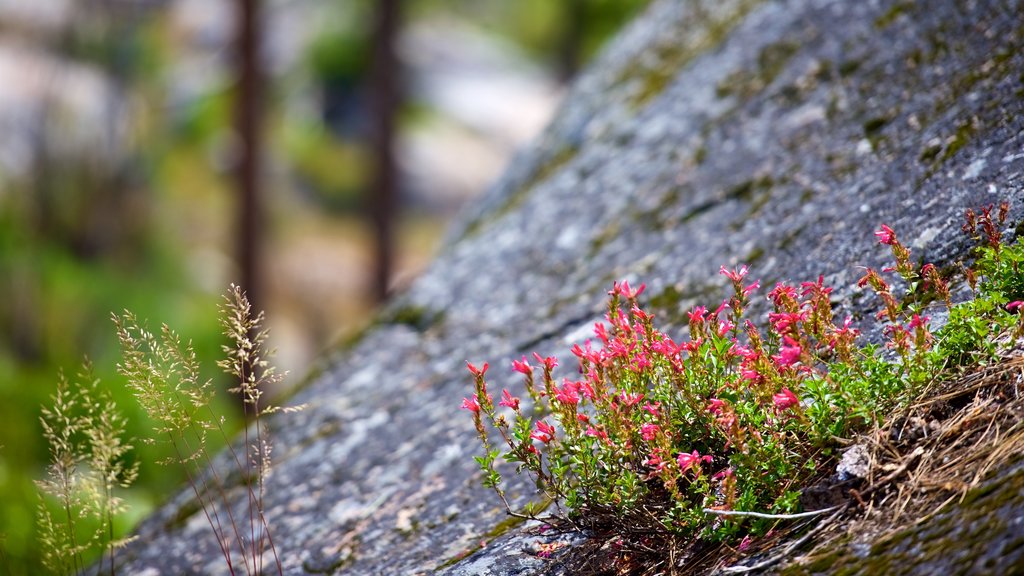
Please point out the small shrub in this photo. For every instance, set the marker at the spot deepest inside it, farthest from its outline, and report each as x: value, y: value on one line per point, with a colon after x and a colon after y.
x: 708, y: 437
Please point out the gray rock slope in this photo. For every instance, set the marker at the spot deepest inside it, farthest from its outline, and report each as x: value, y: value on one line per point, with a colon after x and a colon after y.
x: 778, y: 134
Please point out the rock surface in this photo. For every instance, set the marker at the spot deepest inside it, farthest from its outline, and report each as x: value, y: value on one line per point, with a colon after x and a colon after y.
x: 777, y: 134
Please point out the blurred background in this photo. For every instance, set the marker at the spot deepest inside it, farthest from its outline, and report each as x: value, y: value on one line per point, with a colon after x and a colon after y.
x: 312, y: 151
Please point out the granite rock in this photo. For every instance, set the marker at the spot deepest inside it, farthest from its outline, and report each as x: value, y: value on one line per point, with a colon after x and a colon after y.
x: 778, y: 134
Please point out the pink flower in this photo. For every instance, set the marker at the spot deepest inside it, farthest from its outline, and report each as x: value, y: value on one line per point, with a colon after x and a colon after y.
x: 785, y: 399
x: 478, y: 372
x: 750, y: 288
x: 624, y: 290
x: 522, y: 366
x: 715, y: 406
x: 782, y: 294
x: 586, y: 390
x: 509, y: 400
x: 596, y: 433
x: 918, y: 322
x: 886, y: 235
x: 568, y: 394
x: 548, y: 362
x: 816, y: 288
x: 657, y: 463
x: 1015, y: 305
x: 724, y: 327
x: 789, y: 353
x: 652, y: 409
x: 649, y: 431
x: 782, y: 321
x: 692, y: 460
x: 471, y: 404
x: 697, y: 315
x: 630, y: 400
x: 744, y: 544
x: 545, y: 433
x: 723, y: 474
x: 734, y: 275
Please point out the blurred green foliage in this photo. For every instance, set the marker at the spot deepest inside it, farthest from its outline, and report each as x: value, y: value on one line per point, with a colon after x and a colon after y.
x: 81, y: 239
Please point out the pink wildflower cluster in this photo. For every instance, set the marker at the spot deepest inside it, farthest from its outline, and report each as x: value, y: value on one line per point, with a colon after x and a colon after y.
x: 640, y: 393
x: 652, y: 420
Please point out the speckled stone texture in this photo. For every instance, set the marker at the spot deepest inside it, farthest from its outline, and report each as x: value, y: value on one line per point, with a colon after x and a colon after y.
x: 776, y: 134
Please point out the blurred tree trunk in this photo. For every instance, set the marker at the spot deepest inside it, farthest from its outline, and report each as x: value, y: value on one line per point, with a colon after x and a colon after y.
x: 249, y: 113
x: 249, y: 130
x: 384, y: 100
x: 570, y: 52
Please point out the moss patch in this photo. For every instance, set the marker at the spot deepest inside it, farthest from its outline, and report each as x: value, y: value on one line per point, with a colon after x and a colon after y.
x: 654, y: 68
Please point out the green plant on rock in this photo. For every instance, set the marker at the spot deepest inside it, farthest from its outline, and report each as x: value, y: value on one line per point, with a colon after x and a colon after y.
x: 714, y: 436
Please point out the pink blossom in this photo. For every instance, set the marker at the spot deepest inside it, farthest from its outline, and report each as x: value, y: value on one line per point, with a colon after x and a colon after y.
x: 1015, y: 305
x: 655, y: 461
x: 785, y: 399
x: 816, y: 288
x: 715, y: 406
x: 741, y: 351
x: 886, y: 235
x: 649, y: 431
x: 471, y: 404
x: 586, y: 390
x: 782, y: 294
x: 548, y: 362
x: 722, y: 474
x: 568, y: 394
x: 596, y: 433
x: 478, y: 372
x: 697, y: 315
x: 522, y: 366
x: 721, y: 308
x: 789, y: 353
x: 734, y: 275
x: 752, y: 375
x: 623, y: 289
x: 918, y: 322
x: 652, y: 409
x: 724, y: 327
x: 601, y: 332
x: 744, y: 544
x: 545, y: 433
x: 686, y: 461
x: 509, y: 400
x: 782, y: 321
x: 630, y: 400
x: 750, y: 288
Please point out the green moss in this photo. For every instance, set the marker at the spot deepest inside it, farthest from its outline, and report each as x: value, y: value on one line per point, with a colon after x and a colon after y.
x: 754, y: 256
x: 893, y: 13
x: 609, y: 233
x: 848, y: 67
x: 770, y: 62
x: 874, y: 125
x: 654, y: 68
x: 419, y: 318
x: 667, y: 299
x: 669, y: 303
